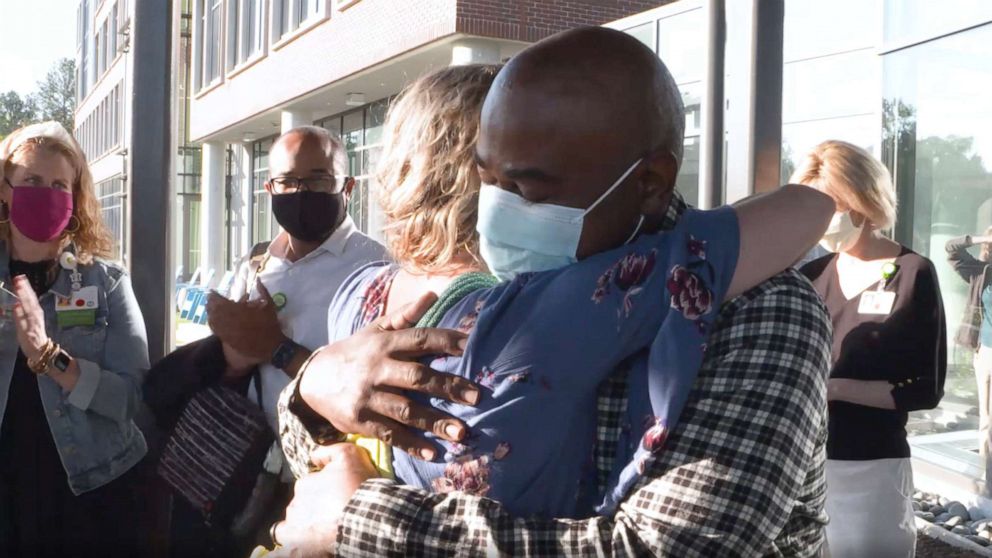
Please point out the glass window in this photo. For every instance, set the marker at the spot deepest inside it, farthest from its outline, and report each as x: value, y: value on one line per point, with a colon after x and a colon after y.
x: 839, y: 85
x: 234, y: 25
x: 254, y: 25
x: 937, y: 140
x: 811, y: 27
x: 914, y: 20
x: 644, y: 33
x: 113, y: 32
x: 210, y: 34
x: 262, y: 227
x: 281, y: 18
x: 682, y: 45
x: 112, y: 196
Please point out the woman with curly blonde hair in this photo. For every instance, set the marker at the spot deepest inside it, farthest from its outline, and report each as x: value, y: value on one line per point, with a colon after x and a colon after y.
x: 72, y: 356
x: 429, y: 193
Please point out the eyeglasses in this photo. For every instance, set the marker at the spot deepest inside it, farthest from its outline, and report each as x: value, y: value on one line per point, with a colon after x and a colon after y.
x: 319, y: 183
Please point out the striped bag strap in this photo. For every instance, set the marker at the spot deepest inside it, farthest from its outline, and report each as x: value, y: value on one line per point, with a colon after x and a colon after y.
x: 462, y: 286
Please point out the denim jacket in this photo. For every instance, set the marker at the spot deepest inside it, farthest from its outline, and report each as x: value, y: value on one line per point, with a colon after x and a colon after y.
x: 92, y: 425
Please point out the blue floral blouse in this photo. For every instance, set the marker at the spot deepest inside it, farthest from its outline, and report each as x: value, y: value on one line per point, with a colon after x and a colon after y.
x: 541, y: 344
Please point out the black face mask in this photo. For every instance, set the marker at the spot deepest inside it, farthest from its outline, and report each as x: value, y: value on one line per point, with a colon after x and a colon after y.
x: 309, y: 216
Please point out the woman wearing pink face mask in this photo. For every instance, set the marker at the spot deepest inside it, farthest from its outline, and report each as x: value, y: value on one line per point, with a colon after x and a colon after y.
x: 72, y: 356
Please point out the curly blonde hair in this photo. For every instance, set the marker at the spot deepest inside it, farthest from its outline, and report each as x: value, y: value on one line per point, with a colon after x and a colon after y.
x: 91, y: 238
x: 428, y: 182
x: 851, y: 175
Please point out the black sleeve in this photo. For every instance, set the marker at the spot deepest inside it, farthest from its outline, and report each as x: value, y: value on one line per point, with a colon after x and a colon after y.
x: 966, y: 265
x: 923, y: 387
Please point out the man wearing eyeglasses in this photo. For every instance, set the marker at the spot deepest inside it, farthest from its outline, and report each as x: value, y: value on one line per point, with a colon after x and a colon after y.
x: 287, y: 285
x: 276, y: 315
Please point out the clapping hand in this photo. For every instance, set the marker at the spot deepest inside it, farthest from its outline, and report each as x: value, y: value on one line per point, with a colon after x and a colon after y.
x: 29, y: 320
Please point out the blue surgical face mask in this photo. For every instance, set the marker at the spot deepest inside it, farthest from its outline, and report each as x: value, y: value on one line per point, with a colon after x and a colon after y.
x: 517, y: 236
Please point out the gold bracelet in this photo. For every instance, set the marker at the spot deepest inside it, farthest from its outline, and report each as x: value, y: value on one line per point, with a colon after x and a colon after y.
x: 44, y: 361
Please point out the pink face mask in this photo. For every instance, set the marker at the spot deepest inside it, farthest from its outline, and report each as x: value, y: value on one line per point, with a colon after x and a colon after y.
x: 39, y: 212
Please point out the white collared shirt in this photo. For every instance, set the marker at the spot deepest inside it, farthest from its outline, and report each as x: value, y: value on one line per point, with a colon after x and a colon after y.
x: 308, y: 285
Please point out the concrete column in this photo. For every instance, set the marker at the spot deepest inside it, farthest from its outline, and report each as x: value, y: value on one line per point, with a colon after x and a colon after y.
x: 754, y: 95
x: 150, y: 170
x: 212, y: 210
x: 474, y: 52
x: 292, y: 119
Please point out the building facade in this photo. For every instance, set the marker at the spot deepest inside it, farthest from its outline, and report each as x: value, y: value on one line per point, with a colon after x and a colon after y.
x: 103, y: 92
x: 261, y: 67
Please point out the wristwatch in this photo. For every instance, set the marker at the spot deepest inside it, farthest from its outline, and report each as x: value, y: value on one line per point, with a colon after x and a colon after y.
x: 284, y: 353
x: 61, y: 361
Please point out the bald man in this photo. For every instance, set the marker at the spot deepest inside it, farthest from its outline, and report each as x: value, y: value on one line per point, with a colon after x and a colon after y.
x: 741, y: 474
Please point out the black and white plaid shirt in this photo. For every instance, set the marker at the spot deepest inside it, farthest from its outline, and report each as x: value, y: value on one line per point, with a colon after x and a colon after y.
x: 741, y: 474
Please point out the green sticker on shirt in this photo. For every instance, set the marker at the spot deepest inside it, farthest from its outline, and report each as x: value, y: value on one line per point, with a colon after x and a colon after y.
x: 76, y: 318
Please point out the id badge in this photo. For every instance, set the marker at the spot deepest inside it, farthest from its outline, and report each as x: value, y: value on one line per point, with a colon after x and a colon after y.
x: 79, y: 309
x: 878, y: 303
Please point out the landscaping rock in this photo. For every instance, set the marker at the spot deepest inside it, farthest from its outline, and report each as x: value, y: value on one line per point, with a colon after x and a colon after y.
x: 957, y: 509
x: 925, y: 516
x: 953, y: 522
x: 976, y: 513
x: 941, y: 517
x: 917, y: 507
x: 937, y: 509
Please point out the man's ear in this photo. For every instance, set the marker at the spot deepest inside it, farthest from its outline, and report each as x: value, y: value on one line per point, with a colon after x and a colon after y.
x: 268, y: 186
x: 658, y: 182
x: 349, y: 185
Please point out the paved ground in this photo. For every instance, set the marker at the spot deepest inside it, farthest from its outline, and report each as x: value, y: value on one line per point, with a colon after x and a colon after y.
x: 932, y: 548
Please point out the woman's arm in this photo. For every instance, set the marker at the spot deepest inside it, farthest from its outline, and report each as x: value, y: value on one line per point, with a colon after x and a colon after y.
x: 776, y: 230
x: 112, y: 387
x: 966, y: 265
x: 923, y: 387
x: 870, y: 393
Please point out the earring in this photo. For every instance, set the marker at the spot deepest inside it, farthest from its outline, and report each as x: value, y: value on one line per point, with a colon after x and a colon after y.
x: 4, y: 213
x: 70, y: 229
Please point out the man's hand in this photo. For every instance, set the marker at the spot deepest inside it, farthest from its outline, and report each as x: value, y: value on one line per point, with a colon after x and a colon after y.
x: 319, y: 500
x: 238, y: 365
x: 356, y: 384
x: 250, y: 328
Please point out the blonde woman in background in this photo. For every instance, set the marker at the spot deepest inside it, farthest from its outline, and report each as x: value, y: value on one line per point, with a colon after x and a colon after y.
x: 72, y: 356
x: 889, y: 353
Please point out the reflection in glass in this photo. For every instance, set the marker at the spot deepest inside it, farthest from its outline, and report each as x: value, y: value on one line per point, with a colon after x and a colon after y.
x: 907, y: 20
x: 938, y: 143
x: 682, y: 45
x: 811, y: 28
x: 643, y: 33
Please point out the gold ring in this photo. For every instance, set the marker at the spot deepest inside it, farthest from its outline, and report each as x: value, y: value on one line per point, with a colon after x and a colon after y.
x: 272, y: 533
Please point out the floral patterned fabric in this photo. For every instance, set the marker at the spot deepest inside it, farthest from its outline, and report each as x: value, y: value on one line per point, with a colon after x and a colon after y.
x: 541, y: 345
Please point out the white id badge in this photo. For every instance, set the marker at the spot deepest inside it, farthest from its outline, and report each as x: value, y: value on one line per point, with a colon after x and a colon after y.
x: 876, y: 302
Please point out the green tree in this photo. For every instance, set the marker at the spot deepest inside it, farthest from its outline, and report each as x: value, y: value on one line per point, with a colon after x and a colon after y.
x: 56, y: 95
x: 15, y: 112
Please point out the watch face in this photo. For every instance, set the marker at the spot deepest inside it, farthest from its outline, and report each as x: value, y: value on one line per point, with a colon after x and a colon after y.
x: 62, y: 361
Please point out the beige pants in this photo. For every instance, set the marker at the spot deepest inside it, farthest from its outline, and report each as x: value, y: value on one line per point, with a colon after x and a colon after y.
x: 870, y: 509
x: 983, y: 371
x: 983, y: 374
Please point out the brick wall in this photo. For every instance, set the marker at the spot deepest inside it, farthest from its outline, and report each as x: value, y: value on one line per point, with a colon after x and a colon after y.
x: 533, y: 20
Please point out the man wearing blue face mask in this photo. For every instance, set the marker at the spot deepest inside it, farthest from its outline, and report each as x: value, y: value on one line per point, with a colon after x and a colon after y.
x: 580, y: 146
